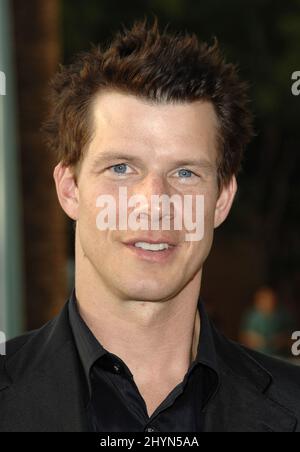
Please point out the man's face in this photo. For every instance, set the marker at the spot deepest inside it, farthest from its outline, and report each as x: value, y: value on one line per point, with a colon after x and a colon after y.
x: 149, y: 150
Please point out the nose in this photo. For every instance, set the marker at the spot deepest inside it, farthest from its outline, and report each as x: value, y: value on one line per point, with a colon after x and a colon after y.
x: 153, y: 184
x: 152, y: 188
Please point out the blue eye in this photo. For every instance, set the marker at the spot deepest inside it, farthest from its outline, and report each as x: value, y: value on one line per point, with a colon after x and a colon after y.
x: 120, y: 169
x: 185, y: 173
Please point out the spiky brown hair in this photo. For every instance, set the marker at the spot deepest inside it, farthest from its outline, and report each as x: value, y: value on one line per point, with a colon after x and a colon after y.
x: 161, y: 67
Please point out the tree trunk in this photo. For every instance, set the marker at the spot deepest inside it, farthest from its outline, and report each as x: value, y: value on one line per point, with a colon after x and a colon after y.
x: 37, y: 43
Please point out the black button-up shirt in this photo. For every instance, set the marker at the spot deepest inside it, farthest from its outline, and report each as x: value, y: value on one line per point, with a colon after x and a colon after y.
x: 116, y: 404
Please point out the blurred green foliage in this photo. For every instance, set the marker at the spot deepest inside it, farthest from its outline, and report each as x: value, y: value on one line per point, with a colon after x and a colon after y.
x: 263, y: 37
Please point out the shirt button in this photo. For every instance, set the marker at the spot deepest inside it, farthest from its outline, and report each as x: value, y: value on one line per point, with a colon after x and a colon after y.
x: 117, y: 368
x: 150, y: 429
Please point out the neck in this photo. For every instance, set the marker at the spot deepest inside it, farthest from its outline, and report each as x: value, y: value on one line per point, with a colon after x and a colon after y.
x: 149, y: 332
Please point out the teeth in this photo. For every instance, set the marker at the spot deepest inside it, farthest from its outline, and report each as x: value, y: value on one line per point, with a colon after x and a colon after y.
x: 152, y: 246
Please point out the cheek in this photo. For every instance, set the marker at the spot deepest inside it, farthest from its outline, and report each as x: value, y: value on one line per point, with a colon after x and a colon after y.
x: 203, y: 220
x: 88, y: 195
x: 87, y: 219
x: 88, y: 212
x: 204, y: 212
x: 210, y: 202
x: 204, y: 227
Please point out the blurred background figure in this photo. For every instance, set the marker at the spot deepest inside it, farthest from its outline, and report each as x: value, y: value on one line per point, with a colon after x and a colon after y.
x: 268, y: 324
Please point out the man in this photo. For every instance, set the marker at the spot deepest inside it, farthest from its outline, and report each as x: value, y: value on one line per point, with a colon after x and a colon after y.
x: 154, y: 114
x: 267, y: 324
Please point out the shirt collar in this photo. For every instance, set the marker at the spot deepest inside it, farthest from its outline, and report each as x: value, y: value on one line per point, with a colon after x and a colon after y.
x: 90, y: 349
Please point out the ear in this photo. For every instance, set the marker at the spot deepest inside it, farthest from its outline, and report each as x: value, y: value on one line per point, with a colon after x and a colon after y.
x: 225, y: 201
x: 67, y: 190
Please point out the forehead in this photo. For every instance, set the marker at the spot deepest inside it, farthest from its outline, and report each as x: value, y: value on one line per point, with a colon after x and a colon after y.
x: 125, y: 121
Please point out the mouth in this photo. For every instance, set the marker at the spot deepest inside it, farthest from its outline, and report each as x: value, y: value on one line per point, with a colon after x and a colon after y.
x: 156, y: 251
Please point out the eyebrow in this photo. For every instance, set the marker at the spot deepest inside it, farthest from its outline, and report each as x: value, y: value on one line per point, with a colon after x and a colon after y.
x: 109, y: 156
x: 105, y: 157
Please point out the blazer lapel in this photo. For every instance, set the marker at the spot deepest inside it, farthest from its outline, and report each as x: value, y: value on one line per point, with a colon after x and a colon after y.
x: 238, y: 407
x: 242, y: 403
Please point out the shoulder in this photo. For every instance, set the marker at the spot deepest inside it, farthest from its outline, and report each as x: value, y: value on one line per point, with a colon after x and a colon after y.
x: 241, y: 359
x: 21, y: 351
x: 15, y: 344
x: 284, y: 373
x: 276, y: 378
x: 284, y: 388
x: 34, y: 348
x: 31, y: 338
x: 11, y: 353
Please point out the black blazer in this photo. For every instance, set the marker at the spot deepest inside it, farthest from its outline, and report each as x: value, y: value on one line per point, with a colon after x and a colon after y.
x: 43, y: 388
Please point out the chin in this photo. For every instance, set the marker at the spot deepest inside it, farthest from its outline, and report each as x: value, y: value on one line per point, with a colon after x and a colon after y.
x: 149, y: 291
